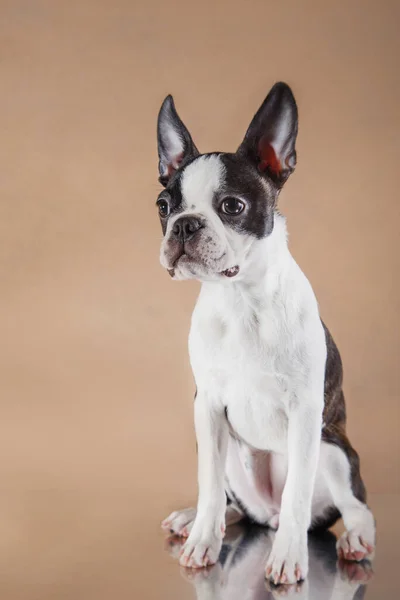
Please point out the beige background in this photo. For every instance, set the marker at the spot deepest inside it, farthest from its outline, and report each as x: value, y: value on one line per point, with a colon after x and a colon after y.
x: 96, y: 436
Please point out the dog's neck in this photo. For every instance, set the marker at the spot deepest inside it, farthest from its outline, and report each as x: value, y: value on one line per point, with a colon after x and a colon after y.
x: 263, y: 269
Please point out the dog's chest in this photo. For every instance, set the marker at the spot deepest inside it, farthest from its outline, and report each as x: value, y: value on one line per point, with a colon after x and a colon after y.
x: 249, y: 362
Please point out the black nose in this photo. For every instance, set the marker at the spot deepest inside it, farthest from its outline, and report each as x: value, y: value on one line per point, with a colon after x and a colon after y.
x: 185, y: 228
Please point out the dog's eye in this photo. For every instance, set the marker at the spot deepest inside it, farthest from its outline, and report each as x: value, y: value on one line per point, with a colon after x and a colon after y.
x: 163, y: 208
x: 232, y: 206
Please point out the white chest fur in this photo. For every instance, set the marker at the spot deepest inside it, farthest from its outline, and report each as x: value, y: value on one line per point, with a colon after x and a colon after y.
x: 254, y: 345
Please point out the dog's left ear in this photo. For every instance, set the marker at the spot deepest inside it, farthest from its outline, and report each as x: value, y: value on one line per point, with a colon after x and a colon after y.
x: 175, y: 144
x: 270, y: 140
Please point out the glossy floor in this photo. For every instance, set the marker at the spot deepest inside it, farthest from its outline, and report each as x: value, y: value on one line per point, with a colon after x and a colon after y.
x: 107, y: 549
x: 240, y: 572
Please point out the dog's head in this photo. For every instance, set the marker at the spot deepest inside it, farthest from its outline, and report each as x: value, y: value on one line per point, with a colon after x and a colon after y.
x: 216, y: 207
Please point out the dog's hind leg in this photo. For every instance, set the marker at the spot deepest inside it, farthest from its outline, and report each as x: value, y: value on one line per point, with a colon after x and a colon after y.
x: 181, y: 522
x: 340, y: 471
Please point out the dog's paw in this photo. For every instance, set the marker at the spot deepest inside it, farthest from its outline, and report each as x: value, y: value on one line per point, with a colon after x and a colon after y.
x: 356, y: 545
x: 288, y: 560
x: 200, y: 551
x: 180, y: 522
x: 203, y: 545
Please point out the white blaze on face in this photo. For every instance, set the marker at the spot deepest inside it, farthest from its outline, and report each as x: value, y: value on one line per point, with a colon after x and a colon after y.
x: 201, y: 179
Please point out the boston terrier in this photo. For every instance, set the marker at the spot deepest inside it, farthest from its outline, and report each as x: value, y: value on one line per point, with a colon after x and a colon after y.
x: 269, y: 411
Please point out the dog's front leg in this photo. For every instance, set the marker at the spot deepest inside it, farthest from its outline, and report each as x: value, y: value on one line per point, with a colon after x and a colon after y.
x: 288, y: 561
x: 204, y: 543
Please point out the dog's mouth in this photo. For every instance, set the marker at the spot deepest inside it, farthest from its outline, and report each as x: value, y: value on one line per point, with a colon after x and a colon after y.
x: 232, y: 272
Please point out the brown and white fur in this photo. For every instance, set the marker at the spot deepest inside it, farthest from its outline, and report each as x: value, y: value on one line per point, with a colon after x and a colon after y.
x: 269, y: 410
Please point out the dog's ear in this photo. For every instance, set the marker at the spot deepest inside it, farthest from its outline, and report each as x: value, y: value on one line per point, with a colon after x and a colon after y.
x: 175, y: 145
x: 270, y: 140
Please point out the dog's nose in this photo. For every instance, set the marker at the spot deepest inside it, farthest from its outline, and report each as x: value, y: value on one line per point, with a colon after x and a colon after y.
x: 185, y: 228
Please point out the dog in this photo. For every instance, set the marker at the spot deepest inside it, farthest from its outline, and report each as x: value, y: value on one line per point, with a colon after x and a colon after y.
x: 269, y: 410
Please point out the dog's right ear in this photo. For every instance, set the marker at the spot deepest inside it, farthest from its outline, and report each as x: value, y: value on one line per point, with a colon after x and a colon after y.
x: 175, y: 145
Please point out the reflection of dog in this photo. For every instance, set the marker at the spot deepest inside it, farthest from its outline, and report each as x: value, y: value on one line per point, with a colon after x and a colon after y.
x: 239, y: 571
x: 269, y: 413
